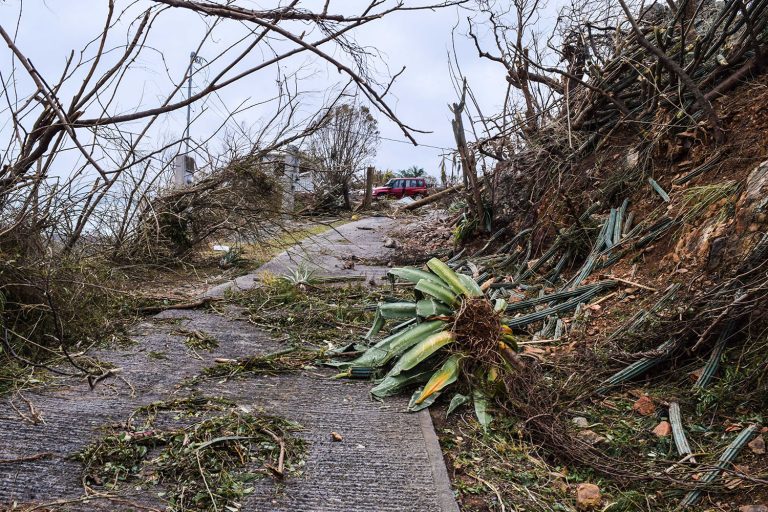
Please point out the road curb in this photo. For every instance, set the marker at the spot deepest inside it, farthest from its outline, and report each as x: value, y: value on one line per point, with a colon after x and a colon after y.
x: 446, y: 499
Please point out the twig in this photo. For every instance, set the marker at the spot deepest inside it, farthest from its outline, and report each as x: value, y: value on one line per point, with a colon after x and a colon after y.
x: 538, y: 342
x: 631, y: 283
x: 202, y: 474
x: 279, y: 471
x: 95, y: 379
x: 495, y: 491
x: 27, y: 458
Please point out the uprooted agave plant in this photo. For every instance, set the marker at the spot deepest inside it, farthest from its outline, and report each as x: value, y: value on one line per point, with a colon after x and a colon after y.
x: 452, y: 330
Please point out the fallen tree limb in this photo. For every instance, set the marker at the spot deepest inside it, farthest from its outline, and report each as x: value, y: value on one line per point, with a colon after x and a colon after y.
x: 432, y: 198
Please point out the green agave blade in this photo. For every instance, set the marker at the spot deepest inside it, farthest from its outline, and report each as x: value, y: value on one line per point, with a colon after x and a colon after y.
x: 430, y: 307
x: 481, y: 409
x: 457, y: 401
x: 473, y: 289
x: 389, y: 386
x: 389, y: 310
x: 378, y: 323
x: 450, y: 277
x: 445, y: 376
x: 414, y: 405
x: 414, y: 275
x: 438, y: 291
x: 421, y: 351
x: 392, y: 346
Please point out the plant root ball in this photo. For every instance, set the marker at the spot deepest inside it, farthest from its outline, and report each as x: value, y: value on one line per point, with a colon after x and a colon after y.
x: 477, y: 329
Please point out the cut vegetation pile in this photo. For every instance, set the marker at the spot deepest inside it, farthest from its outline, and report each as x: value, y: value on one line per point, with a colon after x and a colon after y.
x: 194, y: 454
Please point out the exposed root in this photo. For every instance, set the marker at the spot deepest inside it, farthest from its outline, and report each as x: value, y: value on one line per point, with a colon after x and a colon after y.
x: 477, y: 329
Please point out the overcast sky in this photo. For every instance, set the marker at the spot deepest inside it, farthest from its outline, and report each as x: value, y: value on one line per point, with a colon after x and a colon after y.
x: 418, y: 40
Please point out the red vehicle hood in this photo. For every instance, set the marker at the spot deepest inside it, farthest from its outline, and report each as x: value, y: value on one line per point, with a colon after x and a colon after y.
x: 381, y: 189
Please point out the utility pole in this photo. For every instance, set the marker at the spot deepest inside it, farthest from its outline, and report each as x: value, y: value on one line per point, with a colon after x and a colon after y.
x: 192, y: 58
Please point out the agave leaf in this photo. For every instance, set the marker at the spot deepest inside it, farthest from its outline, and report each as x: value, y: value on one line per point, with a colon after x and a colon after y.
x: 481, y: 409
x: 414, y: 275
x: 421, y: 351
x: 399, y: 327
x: 438, y: 291
x: 414, y: 405
x: 431, y: 307
x: 457, y: 401
x: 389, y: 386
x: 445, y: 376
x: 390, y: 310
x: 450, y: 277
x: 378, y: 323
x: 392, y: 346
x: 473, y: 289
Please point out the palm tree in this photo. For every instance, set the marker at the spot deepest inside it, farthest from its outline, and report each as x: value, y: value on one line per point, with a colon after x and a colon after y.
x: 412, y: 171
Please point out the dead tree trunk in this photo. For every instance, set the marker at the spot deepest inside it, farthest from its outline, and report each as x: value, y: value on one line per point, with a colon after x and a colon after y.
x: 468, y: 163
x: 369, y: 172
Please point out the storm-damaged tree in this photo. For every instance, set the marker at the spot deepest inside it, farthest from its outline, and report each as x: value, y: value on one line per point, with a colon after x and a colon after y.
x: 345, y: 142
x: 59, y: 213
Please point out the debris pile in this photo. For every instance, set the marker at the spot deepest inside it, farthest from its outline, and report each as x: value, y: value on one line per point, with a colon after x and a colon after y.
x: 513, y: 332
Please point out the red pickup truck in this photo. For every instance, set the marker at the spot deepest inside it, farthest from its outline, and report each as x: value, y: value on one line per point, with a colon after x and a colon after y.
x: 402, y: 187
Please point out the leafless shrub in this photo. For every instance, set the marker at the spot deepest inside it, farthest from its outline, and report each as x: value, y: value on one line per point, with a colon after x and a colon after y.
x: 112, y: 198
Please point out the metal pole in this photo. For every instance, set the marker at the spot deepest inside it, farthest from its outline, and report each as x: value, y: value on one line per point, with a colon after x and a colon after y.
x: 189, y: 107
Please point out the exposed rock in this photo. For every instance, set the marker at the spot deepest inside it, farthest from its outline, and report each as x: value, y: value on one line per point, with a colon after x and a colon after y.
x: 695, y: 374
x: 591, y: 437
x: 755, y: 196
x: 580, y: 422
x: 663, y: 429
x: 753, y: 508
x: 588, y: 496
x: 644, y: 406
x: 716, y: 251
x: 757, y: 445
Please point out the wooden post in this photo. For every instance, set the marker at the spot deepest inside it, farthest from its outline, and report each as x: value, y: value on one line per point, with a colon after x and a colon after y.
x: 369, y: 172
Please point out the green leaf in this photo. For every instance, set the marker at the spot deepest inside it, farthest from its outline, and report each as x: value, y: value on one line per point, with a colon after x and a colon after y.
x: 431, y: 307
x: 378, y: 323
x: 457, y: 401
x: 389, y: 310
x: 450, y: 277
x: 438, y: 291
x: 414, y: 405
x: 481, y: 409
x: 414, y: 275
x: 392, y: 385
x: 473, y: 289
x: 422, y: 351
x: 392, y: 346
x: 445, y: 376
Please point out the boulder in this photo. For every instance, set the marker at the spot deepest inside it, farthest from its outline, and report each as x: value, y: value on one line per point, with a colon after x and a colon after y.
x: 663, y: 429
x: 644, y: 406
x: 757, y: 445
x: 588, y: 496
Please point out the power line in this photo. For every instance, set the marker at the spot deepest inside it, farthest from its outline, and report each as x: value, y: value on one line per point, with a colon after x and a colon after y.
x: 419, y: 145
